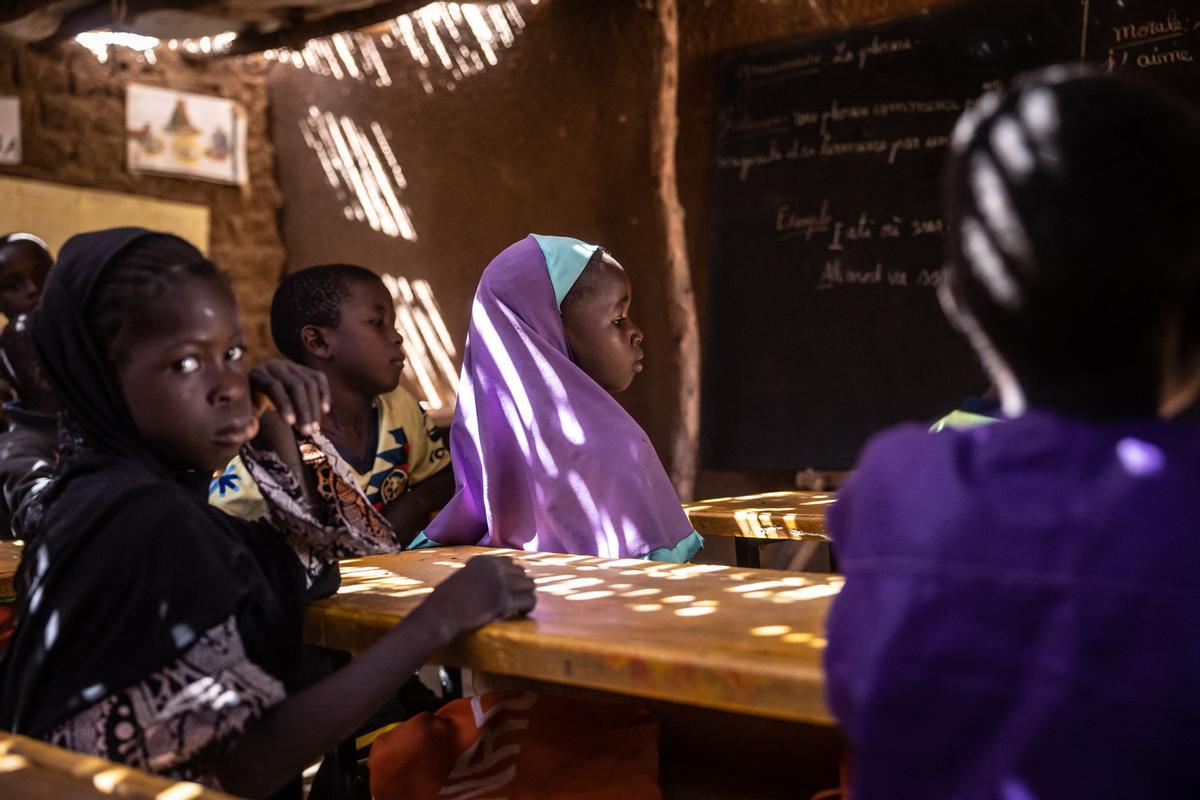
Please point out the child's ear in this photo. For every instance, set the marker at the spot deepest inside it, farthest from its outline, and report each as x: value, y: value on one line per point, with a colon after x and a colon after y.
x: 315, y: 341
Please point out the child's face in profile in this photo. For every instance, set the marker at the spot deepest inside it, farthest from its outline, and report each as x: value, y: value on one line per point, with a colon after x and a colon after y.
x: 23, y: 268
x: 366, y: 348
x: 184, y: 379
x: 606, y: 344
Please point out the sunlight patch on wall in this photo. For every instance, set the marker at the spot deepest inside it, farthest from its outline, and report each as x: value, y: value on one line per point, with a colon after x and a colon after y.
x: 448, y: 42
x: 427, y: 344
x: 361, y: 168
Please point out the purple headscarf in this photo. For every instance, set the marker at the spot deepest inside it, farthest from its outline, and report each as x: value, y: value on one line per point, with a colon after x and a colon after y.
x: 544, y: 457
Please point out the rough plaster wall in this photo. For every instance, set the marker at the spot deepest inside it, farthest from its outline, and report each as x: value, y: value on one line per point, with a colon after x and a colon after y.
x: 554, y: 139
x: 73, y: 132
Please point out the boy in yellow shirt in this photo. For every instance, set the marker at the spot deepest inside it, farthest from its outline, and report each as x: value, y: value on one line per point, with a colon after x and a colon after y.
x: 339, y: 320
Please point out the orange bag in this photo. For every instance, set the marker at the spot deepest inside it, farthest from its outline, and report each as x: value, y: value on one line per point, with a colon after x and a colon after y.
x: 519, y: 746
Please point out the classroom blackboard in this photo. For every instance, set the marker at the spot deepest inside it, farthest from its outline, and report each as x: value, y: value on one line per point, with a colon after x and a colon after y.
x: 823, y: 323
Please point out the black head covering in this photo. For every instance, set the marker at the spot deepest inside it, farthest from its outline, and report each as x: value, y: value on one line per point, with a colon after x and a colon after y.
x: 69, y: 353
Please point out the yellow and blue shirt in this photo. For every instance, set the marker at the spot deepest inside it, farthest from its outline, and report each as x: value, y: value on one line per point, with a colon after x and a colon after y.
x: 409, y: 449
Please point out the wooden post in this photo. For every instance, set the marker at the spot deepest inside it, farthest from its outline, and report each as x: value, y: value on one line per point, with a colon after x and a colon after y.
x: 681, y: 301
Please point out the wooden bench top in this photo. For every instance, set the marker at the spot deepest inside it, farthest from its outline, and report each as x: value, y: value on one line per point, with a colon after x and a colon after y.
x: 797, y: 516
x: 10, y: 557
x: 707, y: 635
x: 34, y: 770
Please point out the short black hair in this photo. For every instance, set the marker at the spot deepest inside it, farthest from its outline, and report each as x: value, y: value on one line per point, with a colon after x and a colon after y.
x: 135, y: 283
x: 1074, y: 236
x: 312, y: 296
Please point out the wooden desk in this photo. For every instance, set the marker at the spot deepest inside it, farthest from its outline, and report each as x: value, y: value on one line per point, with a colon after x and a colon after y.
x: 703, y: 635
x: 10, y: 557
x: 757, y: 519
x: 34, y: 770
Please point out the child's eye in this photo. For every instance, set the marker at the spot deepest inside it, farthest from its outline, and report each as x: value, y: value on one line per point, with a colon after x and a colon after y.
x: 235, y: 353
x: 378, y: 323
x: 619, y: 321
x: 187, y: 364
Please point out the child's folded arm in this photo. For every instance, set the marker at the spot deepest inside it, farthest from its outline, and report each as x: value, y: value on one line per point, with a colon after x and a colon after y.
x: 333, y: 520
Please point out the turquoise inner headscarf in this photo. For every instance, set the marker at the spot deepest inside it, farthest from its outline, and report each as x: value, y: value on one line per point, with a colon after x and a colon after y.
x: 565, y: 259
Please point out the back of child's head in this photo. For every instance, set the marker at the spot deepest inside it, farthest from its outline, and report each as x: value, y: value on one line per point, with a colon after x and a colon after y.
x: 1073, y: 252
x: 140, y: 285
x: 312, y: 296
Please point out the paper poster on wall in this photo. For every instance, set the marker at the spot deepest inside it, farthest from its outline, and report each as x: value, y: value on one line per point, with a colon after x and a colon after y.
x: 10, y: 130
x: 183, y: 134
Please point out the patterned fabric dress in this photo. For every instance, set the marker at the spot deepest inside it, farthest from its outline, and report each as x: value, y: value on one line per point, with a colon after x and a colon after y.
x: 409, y: 449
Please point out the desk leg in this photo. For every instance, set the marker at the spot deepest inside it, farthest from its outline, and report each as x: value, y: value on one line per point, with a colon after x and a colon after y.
x: 747, y: 552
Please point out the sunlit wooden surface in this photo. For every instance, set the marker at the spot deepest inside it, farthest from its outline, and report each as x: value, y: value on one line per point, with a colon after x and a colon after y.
x: 10, y: 557
x: 33, y: 770
x: 706, y: 635
x: 796, y: 516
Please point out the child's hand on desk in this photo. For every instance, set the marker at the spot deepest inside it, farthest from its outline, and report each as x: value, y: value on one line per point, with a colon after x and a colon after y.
x: 488, y: 588
x: 299, y: 394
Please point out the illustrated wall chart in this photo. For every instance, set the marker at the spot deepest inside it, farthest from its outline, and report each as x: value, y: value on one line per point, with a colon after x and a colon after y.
x: 186, y: 135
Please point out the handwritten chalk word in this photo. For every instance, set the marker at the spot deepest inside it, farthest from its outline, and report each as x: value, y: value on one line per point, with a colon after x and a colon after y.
x: 748, y: 161
x: 1156, y: 59
x: 745, y: 124
x: 804, y: 63
x: 941, y: 106
x: 835, y: 274
x: 1148, y: 30
x: 843, y: 53
x: 791, y: 223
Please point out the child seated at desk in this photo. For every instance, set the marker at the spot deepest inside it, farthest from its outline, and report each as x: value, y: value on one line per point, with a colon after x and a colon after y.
x: 153, y: 629
x: 545, y: 457
x: 29, y: 448
x: 1020, y: 610
x: 24, y: 262
x: 339, y: 320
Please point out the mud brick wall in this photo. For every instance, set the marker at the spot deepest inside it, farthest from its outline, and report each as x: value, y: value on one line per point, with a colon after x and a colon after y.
x: 73, y: 132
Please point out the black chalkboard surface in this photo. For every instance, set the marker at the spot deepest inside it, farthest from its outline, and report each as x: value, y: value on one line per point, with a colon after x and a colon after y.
x: 823, y: 322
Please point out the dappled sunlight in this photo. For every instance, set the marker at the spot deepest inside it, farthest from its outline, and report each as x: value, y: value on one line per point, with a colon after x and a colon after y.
x: 12, y: 763
x: 447, y: 42
x: 786, y: 634
x: 684, y: 638
x: 767, y: 515
x: 684, y: 592
x: 361, y: 169
x: 567, y: 420
x: 43, y: 760
x: 381, y: 581
x: 427, y: 344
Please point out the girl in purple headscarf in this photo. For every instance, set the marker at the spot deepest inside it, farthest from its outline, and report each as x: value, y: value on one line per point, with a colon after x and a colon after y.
x: 544, y: 457
x: 1019, y: 618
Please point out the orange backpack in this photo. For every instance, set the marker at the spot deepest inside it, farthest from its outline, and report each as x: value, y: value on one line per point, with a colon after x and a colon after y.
x: 519, y: 746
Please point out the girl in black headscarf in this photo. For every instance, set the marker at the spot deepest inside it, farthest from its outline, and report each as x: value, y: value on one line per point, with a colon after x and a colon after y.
x: 154, y: 630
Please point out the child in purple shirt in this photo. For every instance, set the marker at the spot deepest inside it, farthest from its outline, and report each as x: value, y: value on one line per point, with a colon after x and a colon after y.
x: 1021, y: 613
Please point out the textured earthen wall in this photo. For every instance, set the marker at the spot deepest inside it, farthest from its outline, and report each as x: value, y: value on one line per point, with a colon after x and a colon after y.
x: 73, y: 132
